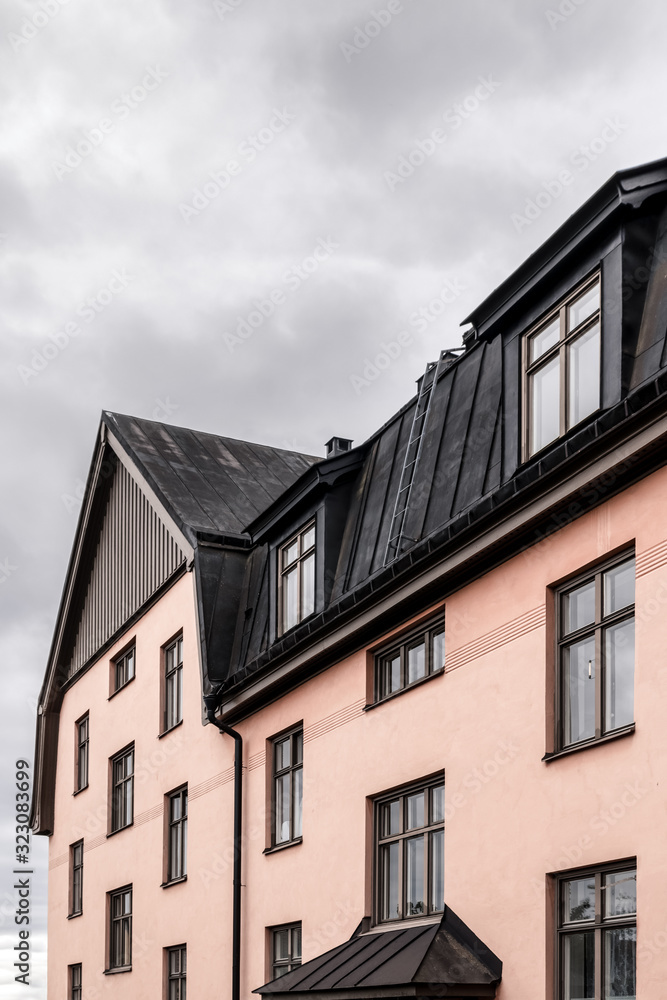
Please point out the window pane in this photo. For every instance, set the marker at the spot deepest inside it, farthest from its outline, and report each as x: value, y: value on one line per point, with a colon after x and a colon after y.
x: 619, y: 675
x: 437, y: 871
x: 296, y: 944
x: 544, y: 339
x: 620, y: 963
x: 290, y: 598
x: 579, y: 690
x: 439, y: 650
x: 438, y: 808
x: 298, y: 747
x: 283, y: 754
x: 175, y: 806
x: 282, y: 808
x: 579, y: 966
x: 281, y: 945
x: 578, y: 607
x: 545, y: 405
x: 308, y: 539
x: 389, y: 882
x: 619, y: 587
x: 416, y: 662
x: 390, y: 679
x: 391, y: 818
x: 308, y: 586
x: 290, y: 553
x: 415, y: 876
x: 579, y: 900
x: 620, y: 894
x: 584, y: 381
x: 583, y: 307
x: 416, y: 812
x: 298, y: 801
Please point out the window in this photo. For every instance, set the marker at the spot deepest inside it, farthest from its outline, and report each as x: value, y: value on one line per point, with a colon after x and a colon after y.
x: 178, y: 834
x: 124, y: 669
x: 597, y: 934
x: 410, y: 838
x: 82, y: 732
x: 75, y: 982
x: 176, y: 972
x: 596, y: 653
x: 297, y: 578
x: 409, y: 659
x: 122, y: 789
x: 173, y: 684
x: 76, y: 878
x: 562, y: 368
x: 287, y: 787
x: 120, y: 928
x: 285, y: 949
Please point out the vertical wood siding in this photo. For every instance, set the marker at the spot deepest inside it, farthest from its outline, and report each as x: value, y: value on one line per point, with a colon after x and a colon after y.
x: 135, y: 556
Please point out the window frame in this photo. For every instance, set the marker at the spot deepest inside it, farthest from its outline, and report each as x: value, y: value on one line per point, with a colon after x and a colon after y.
x: 560, y: 349
x: 176, y: 831
x: 119, y: 816
x: 113, y: 960
x: 74, y: 988
x: 598, y: 925
x: 596, y: 629
x: 292, y: 961
x: 400, y: 646
x: 292, y: 735
x: 172, y: 713
x: 76, y: 883
x: 406, y: 833
x: 121, y: 661
x: 179, y: 977
x: 82, y: 752
x: 283, y: 571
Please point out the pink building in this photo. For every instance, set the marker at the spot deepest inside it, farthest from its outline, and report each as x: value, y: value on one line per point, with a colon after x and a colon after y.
x: 435, y: 661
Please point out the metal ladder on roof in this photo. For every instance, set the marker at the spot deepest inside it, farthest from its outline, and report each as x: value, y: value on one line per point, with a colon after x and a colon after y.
x: 412, y: 453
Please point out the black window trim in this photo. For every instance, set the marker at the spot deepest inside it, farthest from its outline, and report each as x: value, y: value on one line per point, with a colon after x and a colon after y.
x: 130, y: 748
x: 290, y: 964
x: 290, y: 732
x: 111, y: 895
x: 78, y: 787
x: 73, y: 912
x: 311, y: 522
x: 170, y: 879
x: 130, y: 647
x: 399, y: 643
x: 178, y: 669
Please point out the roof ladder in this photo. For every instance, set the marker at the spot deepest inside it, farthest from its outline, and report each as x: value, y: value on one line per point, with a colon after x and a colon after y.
x: 412, y: 453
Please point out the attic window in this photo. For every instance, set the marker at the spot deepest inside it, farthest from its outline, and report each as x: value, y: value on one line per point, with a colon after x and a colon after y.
x: 562, y: 368
x: 296, y: 578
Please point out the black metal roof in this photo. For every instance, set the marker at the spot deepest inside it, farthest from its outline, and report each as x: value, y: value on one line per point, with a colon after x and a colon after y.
x: 410, y: 959
x: 209, y: 483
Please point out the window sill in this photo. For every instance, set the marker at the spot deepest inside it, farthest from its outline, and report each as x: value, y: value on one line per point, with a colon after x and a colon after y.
x: 173, y: 881
x: 72, y: 916
x: 170, y: 730
x: 408, y: 687
x: 113, y: 972
x: 578, y: 747
x: 112, y: 833
x: 403, y: 922
x: 121, y: 688
x: 77, y: 791
x: 281, y: 847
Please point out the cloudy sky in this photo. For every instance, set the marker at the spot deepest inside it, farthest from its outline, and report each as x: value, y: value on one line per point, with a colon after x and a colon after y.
x: 223, y: 213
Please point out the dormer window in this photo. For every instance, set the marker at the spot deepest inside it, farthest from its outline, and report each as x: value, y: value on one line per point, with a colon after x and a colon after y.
x: 562, y: 368
x: 296, y: 584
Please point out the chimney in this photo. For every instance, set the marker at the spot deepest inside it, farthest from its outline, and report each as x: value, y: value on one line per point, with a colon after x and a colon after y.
x: 336, y: 446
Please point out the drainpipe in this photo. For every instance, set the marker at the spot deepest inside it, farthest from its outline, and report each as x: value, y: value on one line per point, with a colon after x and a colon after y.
x: 210, y: 702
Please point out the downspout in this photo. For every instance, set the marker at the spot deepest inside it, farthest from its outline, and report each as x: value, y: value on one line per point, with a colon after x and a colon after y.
x: 211, y: 702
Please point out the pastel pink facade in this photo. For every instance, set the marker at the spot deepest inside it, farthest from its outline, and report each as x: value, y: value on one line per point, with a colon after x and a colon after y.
x: 510, y: 818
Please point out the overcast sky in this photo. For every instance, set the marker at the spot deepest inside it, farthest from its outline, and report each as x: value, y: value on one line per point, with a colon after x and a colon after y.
x: 217, y: 214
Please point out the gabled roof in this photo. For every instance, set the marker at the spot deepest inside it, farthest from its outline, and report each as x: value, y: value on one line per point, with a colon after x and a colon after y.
x: 208, y: 483
x: 427, y: 959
